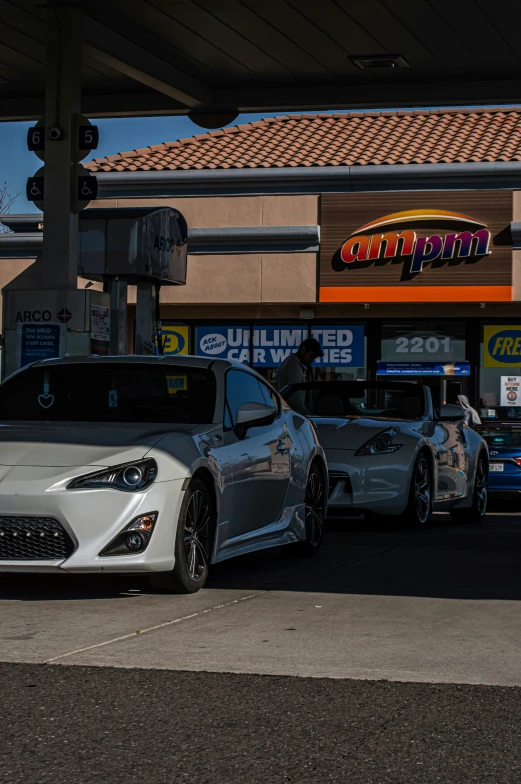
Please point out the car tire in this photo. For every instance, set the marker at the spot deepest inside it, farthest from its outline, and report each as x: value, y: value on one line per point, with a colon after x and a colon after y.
x: 475, y: 513
x: 193, y: 543
x: 315, y: 518
x: 419, y: 505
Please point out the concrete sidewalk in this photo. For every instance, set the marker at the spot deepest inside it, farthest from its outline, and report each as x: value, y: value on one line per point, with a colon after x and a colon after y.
x: 440, y: 605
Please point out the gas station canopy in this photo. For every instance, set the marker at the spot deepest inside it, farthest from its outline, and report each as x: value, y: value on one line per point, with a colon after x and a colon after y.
x: 214, y: 58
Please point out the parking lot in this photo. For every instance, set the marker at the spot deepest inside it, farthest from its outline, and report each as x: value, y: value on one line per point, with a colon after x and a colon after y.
x: 164, y: 680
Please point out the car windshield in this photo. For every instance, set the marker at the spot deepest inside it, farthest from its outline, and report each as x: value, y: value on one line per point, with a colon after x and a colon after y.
x: 357, y: 399
x: 110, y: 392
x: 497, y: 437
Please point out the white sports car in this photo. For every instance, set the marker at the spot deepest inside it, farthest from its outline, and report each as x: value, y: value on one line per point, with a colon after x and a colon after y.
x: 152, y: 464
x: 390, y: 453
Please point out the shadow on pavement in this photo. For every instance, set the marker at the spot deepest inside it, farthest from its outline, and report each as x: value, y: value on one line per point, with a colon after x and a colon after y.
x: 443, y: 560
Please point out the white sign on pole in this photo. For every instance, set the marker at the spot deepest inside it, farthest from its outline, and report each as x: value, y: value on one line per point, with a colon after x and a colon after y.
x: 100, y: 322
x: 511, y: 390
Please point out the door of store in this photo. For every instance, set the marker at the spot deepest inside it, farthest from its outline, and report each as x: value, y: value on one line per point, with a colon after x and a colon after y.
x: 444, y: 389
x: 434, y: 350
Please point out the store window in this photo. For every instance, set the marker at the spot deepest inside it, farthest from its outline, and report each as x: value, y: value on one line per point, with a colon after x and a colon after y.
x: 430, y: 351
x: 500, y: 372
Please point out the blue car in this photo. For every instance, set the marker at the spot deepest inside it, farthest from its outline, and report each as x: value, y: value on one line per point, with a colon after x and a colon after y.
x: 504, y: 445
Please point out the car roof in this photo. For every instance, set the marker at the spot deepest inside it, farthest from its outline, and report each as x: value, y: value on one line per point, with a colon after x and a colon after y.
x: 142, y: 359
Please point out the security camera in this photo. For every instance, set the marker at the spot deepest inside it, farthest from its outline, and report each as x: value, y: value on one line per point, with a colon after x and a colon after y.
x: 55, y: 133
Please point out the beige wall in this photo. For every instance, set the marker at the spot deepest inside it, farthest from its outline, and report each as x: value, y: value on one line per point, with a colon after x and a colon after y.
x: 211, y: 211
x: 240, y: 278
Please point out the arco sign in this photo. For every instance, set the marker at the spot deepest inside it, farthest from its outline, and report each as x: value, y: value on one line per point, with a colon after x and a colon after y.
x: 394, y: 237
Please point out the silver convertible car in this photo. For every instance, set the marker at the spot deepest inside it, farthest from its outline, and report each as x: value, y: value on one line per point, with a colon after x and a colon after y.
x: 391, y: 453
x: 152, y: 465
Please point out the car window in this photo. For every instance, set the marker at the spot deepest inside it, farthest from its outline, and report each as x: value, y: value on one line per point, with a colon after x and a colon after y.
x: 270, y: 398
x: 357, y: 399
x: 110, y: 392
x: 243, y: 388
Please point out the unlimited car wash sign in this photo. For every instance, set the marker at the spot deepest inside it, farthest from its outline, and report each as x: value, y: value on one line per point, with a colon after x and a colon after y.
x: 386, y: 238
x: 383, y: 247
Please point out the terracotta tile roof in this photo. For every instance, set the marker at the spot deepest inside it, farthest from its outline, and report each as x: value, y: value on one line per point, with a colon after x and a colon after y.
x: 351, y: 139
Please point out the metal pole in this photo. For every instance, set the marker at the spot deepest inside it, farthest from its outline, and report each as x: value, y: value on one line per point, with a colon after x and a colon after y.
x: 62, y: 101
x: 145, y: 310
x: 118, y: 289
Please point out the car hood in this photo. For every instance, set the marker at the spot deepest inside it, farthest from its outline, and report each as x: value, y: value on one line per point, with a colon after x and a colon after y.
x: 79, y: 444
x: 349, y: 432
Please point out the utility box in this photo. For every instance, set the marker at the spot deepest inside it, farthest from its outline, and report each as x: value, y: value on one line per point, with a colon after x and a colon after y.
x: 136, y: 244
x: 47, y: 324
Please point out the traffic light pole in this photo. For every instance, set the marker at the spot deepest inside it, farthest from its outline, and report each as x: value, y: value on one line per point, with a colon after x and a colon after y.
x: 62, y: 104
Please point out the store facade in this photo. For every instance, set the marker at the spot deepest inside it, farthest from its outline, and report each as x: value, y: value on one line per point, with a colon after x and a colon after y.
x: 397, y: 276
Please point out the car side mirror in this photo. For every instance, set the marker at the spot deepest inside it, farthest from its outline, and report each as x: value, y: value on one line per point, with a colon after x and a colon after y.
x: 451, y: 413
x: 253, y: 415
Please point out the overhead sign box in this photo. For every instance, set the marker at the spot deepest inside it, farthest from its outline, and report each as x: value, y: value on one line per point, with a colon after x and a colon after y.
x: 137, y: 244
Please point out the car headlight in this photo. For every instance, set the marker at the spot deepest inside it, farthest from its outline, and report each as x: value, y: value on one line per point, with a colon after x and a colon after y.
x: 381, y: 444
x: 129, y: 477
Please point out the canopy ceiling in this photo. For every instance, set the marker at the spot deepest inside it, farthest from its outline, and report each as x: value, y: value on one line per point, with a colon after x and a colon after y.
x: 146, y: 57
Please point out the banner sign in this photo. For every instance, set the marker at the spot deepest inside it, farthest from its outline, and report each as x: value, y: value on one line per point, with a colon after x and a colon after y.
x: 423, y: 369
x: 511, y: 390
x: 270, y: 345
x: 502, y: 345
x: 176, y: 339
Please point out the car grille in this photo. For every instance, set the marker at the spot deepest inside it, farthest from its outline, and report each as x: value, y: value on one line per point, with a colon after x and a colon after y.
x: 33, y: 539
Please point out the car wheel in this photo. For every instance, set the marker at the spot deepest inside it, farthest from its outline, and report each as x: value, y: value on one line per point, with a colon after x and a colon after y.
x: 419, y: 506
x: 315, y: 516
x: 475, y: 513
x: 193, y: 543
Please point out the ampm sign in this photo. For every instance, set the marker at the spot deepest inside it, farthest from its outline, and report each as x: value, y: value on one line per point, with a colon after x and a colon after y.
x: 391, y: 238
x: 176, y: 339
x: 502, y: 345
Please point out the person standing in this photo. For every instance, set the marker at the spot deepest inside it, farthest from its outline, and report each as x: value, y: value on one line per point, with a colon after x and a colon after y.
x: 293, y: 371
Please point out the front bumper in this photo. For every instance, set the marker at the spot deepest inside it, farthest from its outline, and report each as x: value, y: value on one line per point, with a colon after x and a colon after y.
x: 92, y: 518
x: 371, y: 483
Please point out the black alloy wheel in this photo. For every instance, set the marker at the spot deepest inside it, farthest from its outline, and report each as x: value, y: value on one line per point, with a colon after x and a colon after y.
x: 315, y: 509
x: 419, y: 506
x: 477, y: 511
x: 193, y: 546
x: 197, y: 535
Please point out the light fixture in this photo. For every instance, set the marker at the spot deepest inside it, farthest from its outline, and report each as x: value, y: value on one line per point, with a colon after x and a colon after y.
x: 134, y: 538
x: 366, y: 306
x: 307, y: 313
x: 482, y: 305
x: 370, y: 61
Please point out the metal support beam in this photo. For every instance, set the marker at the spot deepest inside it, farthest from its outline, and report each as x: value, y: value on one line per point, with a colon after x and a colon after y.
x: 123, y: 55
x: 118, y: 290
x: 62, y: 100
x: 145, y: 318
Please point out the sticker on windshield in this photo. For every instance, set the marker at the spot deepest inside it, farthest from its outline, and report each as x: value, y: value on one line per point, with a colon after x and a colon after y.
x: 113, y: 398
x: 46, y: 399
x: 176, y: 384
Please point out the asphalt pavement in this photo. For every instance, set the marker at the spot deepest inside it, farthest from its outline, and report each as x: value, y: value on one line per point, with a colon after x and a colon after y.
x: 89, y: 725
x: 393, y: 657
